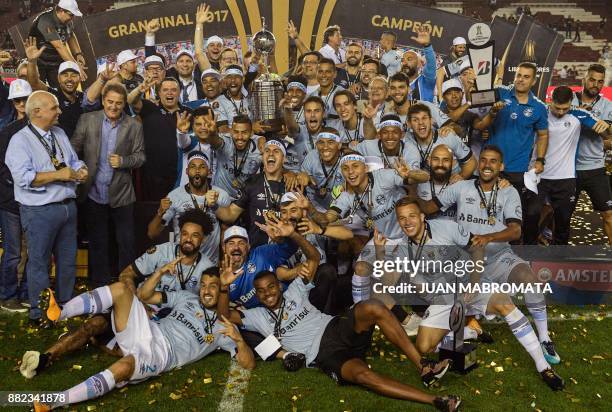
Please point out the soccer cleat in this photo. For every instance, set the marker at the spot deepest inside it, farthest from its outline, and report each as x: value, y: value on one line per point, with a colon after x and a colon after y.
x: 550, y: 354
x: 554, y: 381
x: 41, y: 407
x: 293, y: 361
x: 432, y: 371
x: 449, y: 403
x: 485, y: 337
x: 412, y: 326
x: 50, y: 309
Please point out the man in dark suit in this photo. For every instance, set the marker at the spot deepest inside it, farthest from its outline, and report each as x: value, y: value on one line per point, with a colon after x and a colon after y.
x: 112, y: 144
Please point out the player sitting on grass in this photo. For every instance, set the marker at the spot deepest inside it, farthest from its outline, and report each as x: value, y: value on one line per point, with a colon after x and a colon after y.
x: 427, y: 238
x: 190, y: 332
x: 337, y: 345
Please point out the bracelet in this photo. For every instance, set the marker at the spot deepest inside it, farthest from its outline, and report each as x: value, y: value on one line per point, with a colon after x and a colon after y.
x: 541, y: 160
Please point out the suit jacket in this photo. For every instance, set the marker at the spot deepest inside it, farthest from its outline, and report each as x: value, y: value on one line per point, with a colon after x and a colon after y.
x: 130, y: 146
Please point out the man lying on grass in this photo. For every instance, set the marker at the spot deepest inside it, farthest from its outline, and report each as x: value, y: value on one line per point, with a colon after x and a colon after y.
x: 335, y: 344
x: 190, y: 332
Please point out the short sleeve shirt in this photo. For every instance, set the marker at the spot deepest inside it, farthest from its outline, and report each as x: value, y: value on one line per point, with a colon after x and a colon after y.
x: 591, y: 153
x: 329, y: 180
x: 234, y: 168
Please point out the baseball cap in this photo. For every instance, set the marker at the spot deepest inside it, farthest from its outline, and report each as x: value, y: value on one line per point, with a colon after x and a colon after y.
x: 154, y: 59
x: 214, y: 39
x: 288, y: 197
x: 19, y: 88
x: 458, y: 40
x: 184, y: 52
x: 210, y: 72
x: 69, y: 65
x: 125, y: 56
x: 71, y: 6
x: 451, y: 84
x: 235, y: 231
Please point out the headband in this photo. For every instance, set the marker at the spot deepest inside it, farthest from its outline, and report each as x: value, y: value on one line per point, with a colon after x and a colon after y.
x: 328, y: 135
x: 199, y: 156
x: 297, y: 85
x: 231, y: 71
x: 352, y: 157
x: 277, y: 144
x: 389, y: 123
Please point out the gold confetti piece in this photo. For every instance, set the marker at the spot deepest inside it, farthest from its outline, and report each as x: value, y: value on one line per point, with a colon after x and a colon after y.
x: 175, y: 397
x: 91, y: 408
x: 341, y: 400
x: 207, y: 380
x: 598, y: 357
x: 598, y: 395
x: 499, y: 369
x: 493, y: 364
x: 575, y: 400
x: 123, y: 389
x: 294, y: 398
x: 77, y: 367
x: 477, y: 392
x: 497, y: 392
x: 599, y: 318
x: 574, y: 381
x: 152, y: 401
x: 189, y: 380
x: 532, y: 404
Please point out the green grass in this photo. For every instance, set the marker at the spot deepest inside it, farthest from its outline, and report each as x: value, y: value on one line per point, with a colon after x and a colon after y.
x: 583, y: 345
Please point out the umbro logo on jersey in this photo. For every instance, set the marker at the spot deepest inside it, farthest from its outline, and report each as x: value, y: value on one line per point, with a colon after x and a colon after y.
x: 261, y: 196
x: 528, y: 112
x: 470, y: 200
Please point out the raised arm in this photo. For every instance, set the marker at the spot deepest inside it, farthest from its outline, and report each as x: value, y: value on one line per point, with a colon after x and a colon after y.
x: 293, y: 33
x: 33, y: 53
x: 147, y: 292
x: 198, y: 38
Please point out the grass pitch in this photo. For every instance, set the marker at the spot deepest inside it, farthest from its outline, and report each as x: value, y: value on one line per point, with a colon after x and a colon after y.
x: 583, y: 344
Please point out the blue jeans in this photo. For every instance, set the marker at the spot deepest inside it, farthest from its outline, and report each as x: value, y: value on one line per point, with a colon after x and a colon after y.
x: 10, y: 223
x: 50, y: 229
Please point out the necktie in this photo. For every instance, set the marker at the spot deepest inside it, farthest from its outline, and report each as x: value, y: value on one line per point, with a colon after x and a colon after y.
x: 186, y: 92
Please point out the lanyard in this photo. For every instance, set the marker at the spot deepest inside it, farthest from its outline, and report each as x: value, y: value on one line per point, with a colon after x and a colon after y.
x: 356, y: 134
x: 420, y: 245
x: 433, y: 188
x: 330, y: 94
x: 278, y: 319
x: 589, y: 105
x: 425, y: 154
x: 210, y: 321
x: 194, y: 200
x: 239, y: 166
x: 51, y: 149
x: 492, y: 204
x: 358, y: 201
x: 274, y: 198
x: 300, y: 114
x: 238, y: 110
x: 384, y: 155
x: 330, y: 174
x: 183, y: 281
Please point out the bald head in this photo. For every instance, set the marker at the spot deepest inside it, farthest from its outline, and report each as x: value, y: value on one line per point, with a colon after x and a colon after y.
x: 42, y: 109
x: 441, y: 161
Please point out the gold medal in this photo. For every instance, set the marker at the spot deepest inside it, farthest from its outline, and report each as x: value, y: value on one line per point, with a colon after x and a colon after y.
x: 369, y: 223
x: 210, y: 338
x: 482, y: 205
x: 323, y: 192
x: 236, y: 184
x: 491, y: 220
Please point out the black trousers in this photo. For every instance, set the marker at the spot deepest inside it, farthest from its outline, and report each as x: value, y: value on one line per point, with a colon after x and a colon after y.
x: 516, y: 179
x: 48, y: 73
x: 101, y: 221
x: 562, y: 196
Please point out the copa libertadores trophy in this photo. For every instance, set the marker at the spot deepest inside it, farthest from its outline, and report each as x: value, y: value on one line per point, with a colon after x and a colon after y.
x: 267, y: 90
x: 481, y: 53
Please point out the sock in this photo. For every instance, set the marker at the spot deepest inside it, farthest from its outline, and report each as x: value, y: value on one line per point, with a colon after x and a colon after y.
x: 469, y: 333
x: 522, y: 330
x: 95, y: 386
x: 537, y: 307
x: 361, y: 288
x: 88, y: 303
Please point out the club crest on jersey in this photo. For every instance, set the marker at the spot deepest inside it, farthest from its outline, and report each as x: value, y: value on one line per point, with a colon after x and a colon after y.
x: 380, y: 199
x: 151, y: 250
x: 566, y: 124
x: 292, y: 305
x: 251, y: 267
x: 518, y: 211
x: 513, y: 116
x: 528, y: 112
x: 215, y: 105
x: 199, y: 315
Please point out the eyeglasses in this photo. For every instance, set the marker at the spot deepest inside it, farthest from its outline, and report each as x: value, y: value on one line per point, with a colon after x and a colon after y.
x: 20, y: 100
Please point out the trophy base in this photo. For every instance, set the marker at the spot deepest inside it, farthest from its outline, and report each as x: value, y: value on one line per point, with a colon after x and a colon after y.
x: 484, y: 98
x: 464, y: 358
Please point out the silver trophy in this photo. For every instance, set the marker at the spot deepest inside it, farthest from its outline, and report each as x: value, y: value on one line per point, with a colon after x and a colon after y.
x: 267, y: 90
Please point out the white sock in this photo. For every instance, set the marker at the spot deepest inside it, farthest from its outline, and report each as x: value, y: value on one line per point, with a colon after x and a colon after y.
x: 522, y: 330
x: 88, y: 303
x: 95, y: 386
x: 469, y: 333
x: 537, y: 307
x: 361, y: 288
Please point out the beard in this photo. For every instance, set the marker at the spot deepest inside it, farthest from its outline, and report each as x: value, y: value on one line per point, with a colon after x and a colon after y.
x: 409, y: 71
x: 441, y: 175
x: 195, y: 182
x: 591, y: 94
x: 185, y: 251
x: 352, y: 61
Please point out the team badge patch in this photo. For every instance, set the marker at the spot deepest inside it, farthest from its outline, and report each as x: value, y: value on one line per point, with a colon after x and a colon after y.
x: 151, y: 250
x: 251, y: 267
x: 292, y: 305
x: 528, y: 112
x: 215, y: 105
x: 513, y: 116
x: 380, y: 199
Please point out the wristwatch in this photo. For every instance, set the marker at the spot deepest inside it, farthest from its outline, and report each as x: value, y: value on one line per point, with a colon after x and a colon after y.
x: 541, y: 160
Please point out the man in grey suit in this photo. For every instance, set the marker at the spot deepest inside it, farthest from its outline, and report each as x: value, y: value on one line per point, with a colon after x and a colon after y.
x: 112, y: 144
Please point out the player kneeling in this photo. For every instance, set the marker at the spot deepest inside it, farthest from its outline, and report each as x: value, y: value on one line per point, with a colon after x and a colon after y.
x: 191, y: 331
